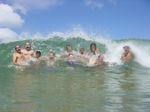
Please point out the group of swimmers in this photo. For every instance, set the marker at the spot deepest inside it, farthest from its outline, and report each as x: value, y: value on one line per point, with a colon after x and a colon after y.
x: 24, y: 56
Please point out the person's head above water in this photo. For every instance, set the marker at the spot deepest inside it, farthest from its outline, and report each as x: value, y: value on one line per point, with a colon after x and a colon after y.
x: 28, y: 46
x: 82, y: 50
x: 17, y: 49
x: 68, y: 48
x: 37, y: 54
x: 93, y: 47
x: 51, y: 55
x: 126, y: 48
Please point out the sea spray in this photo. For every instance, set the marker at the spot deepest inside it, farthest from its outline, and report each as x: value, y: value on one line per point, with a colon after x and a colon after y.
x: 56, y: 41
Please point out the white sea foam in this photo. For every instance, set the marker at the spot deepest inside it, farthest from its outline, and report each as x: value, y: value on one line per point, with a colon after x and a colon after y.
x: 114, y: 48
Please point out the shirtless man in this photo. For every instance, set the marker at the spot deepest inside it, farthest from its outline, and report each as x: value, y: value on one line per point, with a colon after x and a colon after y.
x: 18, y: 57
x: 127, y: 56
x: 27, y: 52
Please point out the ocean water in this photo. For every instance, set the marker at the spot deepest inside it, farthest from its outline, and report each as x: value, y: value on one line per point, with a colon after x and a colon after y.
x: 113, y: 87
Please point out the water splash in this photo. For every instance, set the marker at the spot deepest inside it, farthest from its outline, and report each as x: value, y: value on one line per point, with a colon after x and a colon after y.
x: 56, y: 41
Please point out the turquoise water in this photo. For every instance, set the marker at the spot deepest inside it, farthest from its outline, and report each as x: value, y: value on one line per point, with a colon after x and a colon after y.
x: 108, y: 88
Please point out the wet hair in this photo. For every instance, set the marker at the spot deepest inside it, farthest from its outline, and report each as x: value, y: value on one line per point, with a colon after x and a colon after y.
x: 92, y: 44
x: 38, y: 52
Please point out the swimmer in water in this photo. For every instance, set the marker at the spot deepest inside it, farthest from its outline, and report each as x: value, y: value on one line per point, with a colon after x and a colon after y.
x: 69, y: 50
x: 99, y: 60
x: 127, y: 56
x: 38, y: 54
x: 94, y: 49
x: 51, y: 58
x: 28, y: 52
x: 82, y: 56
x: 96, y: 57
x: 37, y: 58
x: 69, y: 54
x: 82, y: 51
x: 18, y: 57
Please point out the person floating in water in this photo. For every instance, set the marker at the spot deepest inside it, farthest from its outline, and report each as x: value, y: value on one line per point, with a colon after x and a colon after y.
x: 127, y: 56
x: 18, y: 57
x: 28, y: 52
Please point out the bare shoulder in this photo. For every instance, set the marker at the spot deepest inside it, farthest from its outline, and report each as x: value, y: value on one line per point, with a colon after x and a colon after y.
x: 23, y: 50
x: 31, y: 52
x: 131, y: 54
x: 14, y: 54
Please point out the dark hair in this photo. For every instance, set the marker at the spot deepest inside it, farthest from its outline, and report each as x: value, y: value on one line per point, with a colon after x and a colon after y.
x: 92, y: 44
x: 38, y: 52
